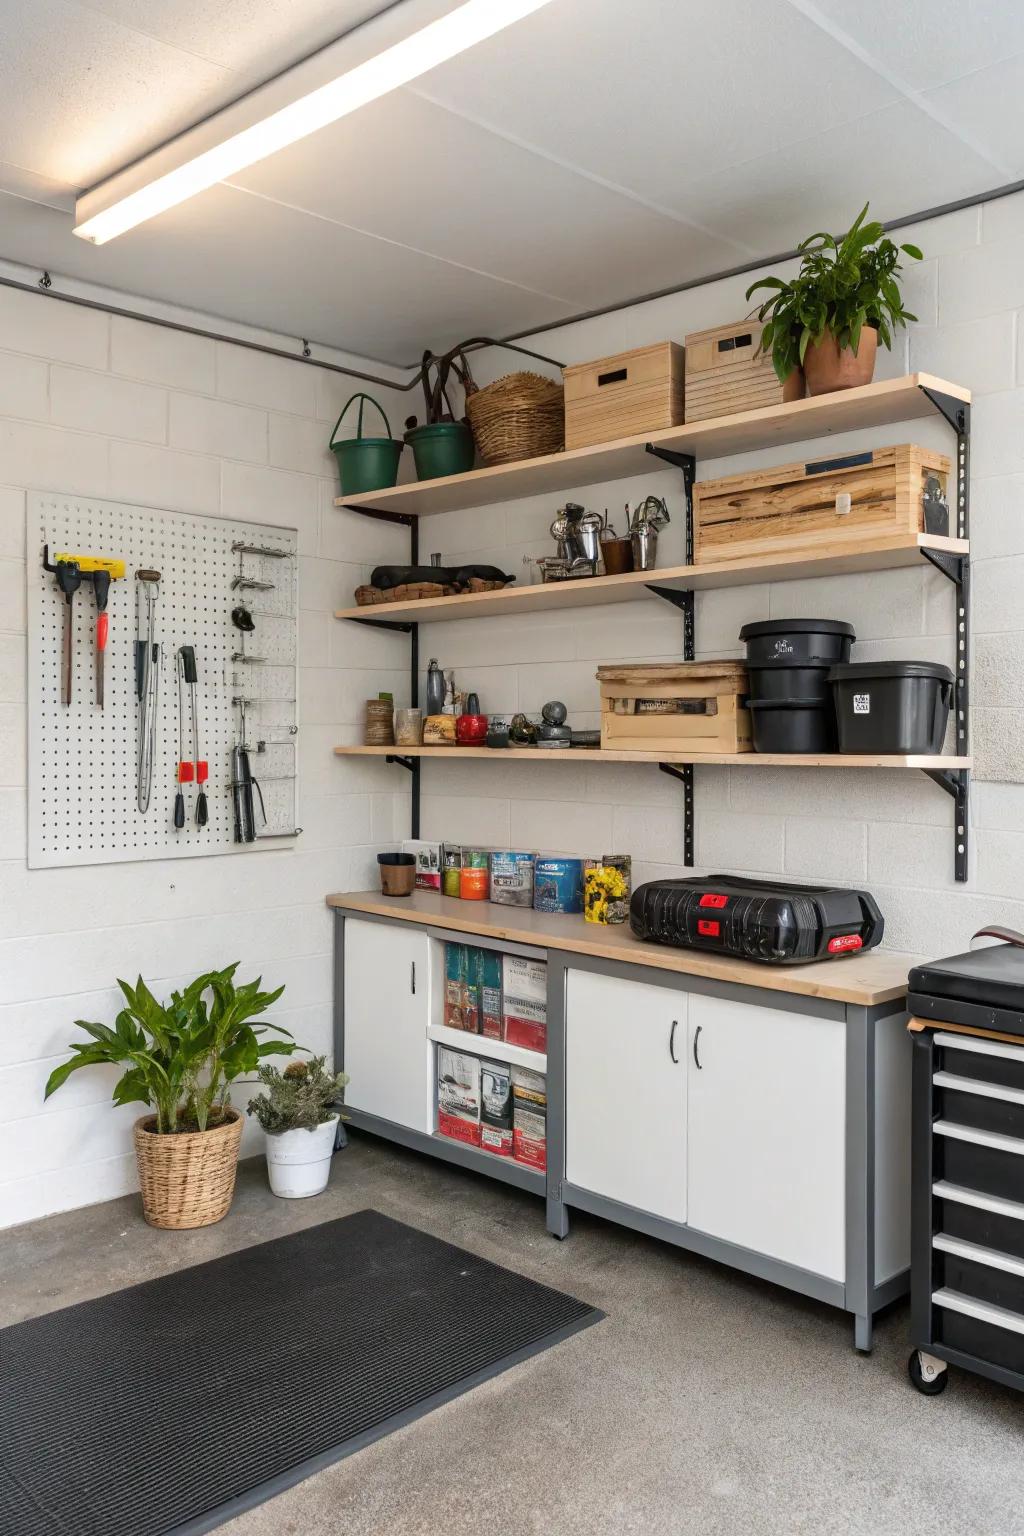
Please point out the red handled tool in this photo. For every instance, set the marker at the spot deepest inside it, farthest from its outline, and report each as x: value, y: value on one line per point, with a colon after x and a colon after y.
x: 198, y: 768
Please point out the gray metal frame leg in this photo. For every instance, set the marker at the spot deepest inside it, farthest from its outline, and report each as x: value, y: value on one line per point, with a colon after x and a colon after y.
x: 860, y: 1171
x: 557, y: 1214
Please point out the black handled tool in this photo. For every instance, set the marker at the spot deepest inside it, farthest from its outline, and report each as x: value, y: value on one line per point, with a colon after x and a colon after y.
x: 69, y: 579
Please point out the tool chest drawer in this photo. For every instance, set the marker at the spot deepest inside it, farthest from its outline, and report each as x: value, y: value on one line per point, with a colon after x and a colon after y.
x: 973, y: 1224
x: 984, y: 1281
x: 981, y: 1160
x: 986, y: 1060
x: 979, y: 1106
x: 978, y: 1337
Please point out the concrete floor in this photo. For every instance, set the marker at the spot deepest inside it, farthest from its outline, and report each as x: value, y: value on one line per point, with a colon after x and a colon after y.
x: 706, y: 1402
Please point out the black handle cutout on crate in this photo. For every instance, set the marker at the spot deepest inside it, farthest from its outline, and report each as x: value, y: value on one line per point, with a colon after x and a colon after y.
x: 615, y: 377
x: 826, y: 466
x: 730, y: 343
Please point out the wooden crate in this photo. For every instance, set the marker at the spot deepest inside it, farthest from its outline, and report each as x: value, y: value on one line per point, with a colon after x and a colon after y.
x: 724, y: 374
x: 675, y: 706
x: 797, y: 507
x: 639, y: 391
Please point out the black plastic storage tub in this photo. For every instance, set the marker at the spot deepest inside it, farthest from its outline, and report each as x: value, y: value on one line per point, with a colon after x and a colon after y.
x: 891, y: 706
x: 788, y: 662
x: 792, y: 725
x: 797, y: 642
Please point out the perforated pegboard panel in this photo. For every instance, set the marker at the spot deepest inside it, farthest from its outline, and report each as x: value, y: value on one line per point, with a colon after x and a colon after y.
x: 82, y: 759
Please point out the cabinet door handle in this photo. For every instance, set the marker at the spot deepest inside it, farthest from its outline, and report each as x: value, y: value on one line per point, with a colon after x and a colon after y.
x: 412, y: 976
x: 672, y: 1041
x: 696, y: 1037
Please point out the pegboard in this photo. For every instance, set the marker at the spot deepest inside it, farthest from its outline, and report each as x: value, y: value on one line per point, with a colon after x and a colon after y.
x: 83, y: 759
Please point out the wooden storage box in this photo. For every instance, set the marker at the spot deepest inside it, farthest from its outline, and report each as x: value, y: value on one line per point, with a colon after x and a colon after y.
x: 724, y: 374
x: 640, y: 391
x: 892, y: 493
x: 686, y: 707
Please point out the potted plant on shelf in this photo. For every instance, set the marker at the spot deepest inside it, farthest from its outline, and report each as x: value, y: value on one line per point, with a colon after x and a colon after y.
x: 181, y: 1058
x: 298, y: 1114
x: 442, y: 445
x: 844, y: 299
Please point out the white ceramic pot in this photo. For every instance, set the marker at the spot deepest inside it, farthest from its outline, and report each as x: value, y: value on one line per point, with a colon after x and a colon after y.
x: 299, y: 1162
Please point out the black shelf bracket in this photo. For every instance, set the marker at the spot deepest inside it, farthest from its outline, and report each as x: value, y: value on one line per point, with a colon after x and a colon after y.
x: 957, y: 783
x: 683, y: 600
x: 382, y: 515
x: 684, y: 773
x: 411, y: 763
x: 403, y: 628
x: 957, y: 569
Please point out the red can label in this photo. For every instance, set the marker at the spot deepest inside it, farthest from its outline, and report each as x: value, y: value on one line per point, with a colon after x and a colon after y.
x: 843, y: 942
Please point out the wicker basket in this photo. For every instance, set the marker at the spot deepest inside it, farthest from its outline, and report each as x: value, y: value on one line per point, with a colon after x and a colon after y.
x: 188, y: 1178
x: 518, y: 417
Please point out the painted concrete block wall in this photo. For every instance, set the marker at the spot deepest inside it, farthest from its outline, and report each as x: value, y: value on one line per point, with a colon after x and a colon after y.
x: 891, y: 831
x: 114, y: 408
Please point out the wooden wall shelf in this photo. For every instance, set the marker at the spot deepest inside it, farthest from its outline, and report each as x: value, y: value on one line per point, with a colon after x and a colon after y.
x: 596, y: 755
x: 554, y: 596
x: 872, y: 405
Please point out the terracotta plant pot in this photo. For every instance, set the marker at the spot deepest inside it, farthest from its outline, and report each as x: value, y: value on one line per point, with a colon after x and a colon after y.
x: 795, y: 386
x: 187, y: 1178
x: 397, y: 873
x: 827, y: 368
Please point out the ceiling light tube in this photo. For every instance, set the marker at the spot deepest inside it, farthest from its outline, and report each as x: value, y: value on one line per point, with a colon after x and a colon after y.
x: 133, y: 196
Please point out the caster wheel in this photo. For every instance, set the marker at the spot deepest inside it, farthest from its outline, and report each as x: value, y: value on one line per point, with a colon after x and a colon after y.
x: 927, y: 1378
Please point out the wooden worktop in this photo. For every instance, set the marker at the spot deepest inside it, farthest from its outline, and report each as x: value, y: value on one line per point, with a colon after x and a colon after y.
x: 877, y: 977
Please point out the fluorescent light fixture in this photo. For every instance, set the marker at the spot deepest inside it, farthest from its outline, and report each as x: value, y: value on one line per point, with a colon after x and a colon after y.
x: 131, y: 197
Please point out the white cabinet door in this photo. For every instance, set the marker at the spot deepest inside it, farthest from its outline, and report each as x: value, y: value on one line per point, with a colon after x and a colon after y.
x: 767, y: 1117
x: 387, y: 1010
x: 625, y: 1134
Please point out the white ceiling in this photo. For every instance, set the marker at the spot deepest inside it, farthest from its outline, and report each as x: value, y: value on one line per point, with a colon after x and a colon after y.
x: 594, y: 152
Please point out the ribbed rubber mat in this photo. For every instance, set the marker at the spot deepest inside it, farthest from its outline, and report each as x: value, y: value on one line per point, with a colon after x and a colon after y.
x: 175, y: 1404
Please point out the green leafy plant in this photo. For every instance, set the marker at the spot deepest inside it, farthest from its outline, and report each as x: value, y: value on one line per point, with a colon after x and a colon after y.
x: 298, y: 1099
x: 182, y: 1056
x: 842, y: 286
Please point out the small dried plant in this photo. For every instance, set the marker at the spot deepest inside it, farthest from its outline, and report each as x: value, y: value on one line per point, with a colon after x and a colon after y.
x: 300, y: 1098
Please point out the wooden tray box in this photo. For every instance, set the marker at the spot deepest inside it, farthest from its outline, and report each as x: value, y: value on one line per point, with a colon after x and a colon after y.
x: 685, y: 707
x: 640, y: 391
x: 801, y: 507
x: 724, y: 374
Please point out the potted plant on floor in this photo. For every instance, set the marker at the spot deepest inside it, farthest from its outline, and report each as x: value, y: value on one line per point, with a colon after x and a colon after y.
x: 299, y: 1116
x: 181, y: 1058
x: 844, y: 299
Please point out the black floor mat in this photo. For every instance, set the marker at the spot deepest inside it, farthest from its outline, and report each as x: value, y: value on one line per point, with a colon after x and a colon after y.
x: 173, y: 1405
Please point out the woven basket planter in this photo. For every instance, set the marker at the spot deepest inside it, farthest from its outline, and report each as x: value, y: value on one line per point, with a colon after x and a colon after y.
x: 518, y: 417
x: 187, y: 1178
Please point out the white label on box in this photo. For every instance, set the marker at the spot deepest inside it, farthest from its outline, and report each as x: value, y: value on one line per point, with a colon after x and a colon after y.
x: 862, y: 703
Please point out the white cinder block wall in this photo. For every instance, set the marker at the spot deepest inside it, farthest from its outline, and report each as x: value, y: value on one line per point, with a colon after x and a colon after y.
x: 890, y: 831
x: 113, y: 408
x: 119, y: 409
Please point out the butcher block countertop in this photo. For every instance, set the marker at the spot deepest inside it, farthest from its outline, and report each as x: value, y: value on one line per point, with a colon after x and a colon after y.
x: 877, y: 977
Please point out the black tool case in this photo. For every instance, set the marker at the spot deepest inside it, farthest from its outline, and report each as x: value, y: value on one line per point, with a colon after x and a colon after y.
x: 967, y: 1224
x: 774, y: 922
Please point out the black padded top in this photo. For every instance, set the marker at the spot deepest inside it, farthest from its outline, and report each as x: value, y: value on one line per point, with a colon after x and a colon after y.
x: 992, y: 977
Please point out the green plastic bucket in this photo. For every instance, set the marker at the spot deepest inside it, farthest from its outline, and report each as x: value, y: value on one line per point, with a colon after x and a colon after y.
x: 446, y: 448
x: 366, y: 463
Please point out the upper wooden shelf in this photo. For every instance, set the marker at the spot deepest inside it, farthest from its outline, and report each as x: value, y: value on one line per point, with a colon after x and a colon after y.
x: 873, y: 405
x: 552, y: 596
x: 579, y: 755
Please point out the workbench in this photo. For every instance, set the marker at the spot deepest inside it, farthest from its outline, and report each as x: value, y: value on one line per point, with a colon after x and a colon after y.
x: 758, y: 1115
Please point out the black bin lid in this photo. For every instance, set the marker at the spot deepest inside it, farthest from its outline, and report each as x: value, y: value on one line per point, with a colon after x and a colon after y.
x: 991, y: 977
x: 796, y: 627
x: 862, y: 671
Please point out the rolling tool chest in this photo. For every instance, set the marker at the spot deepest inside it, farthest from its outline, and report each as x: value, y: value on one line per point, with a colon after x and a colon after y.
x: 967, y: 1241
